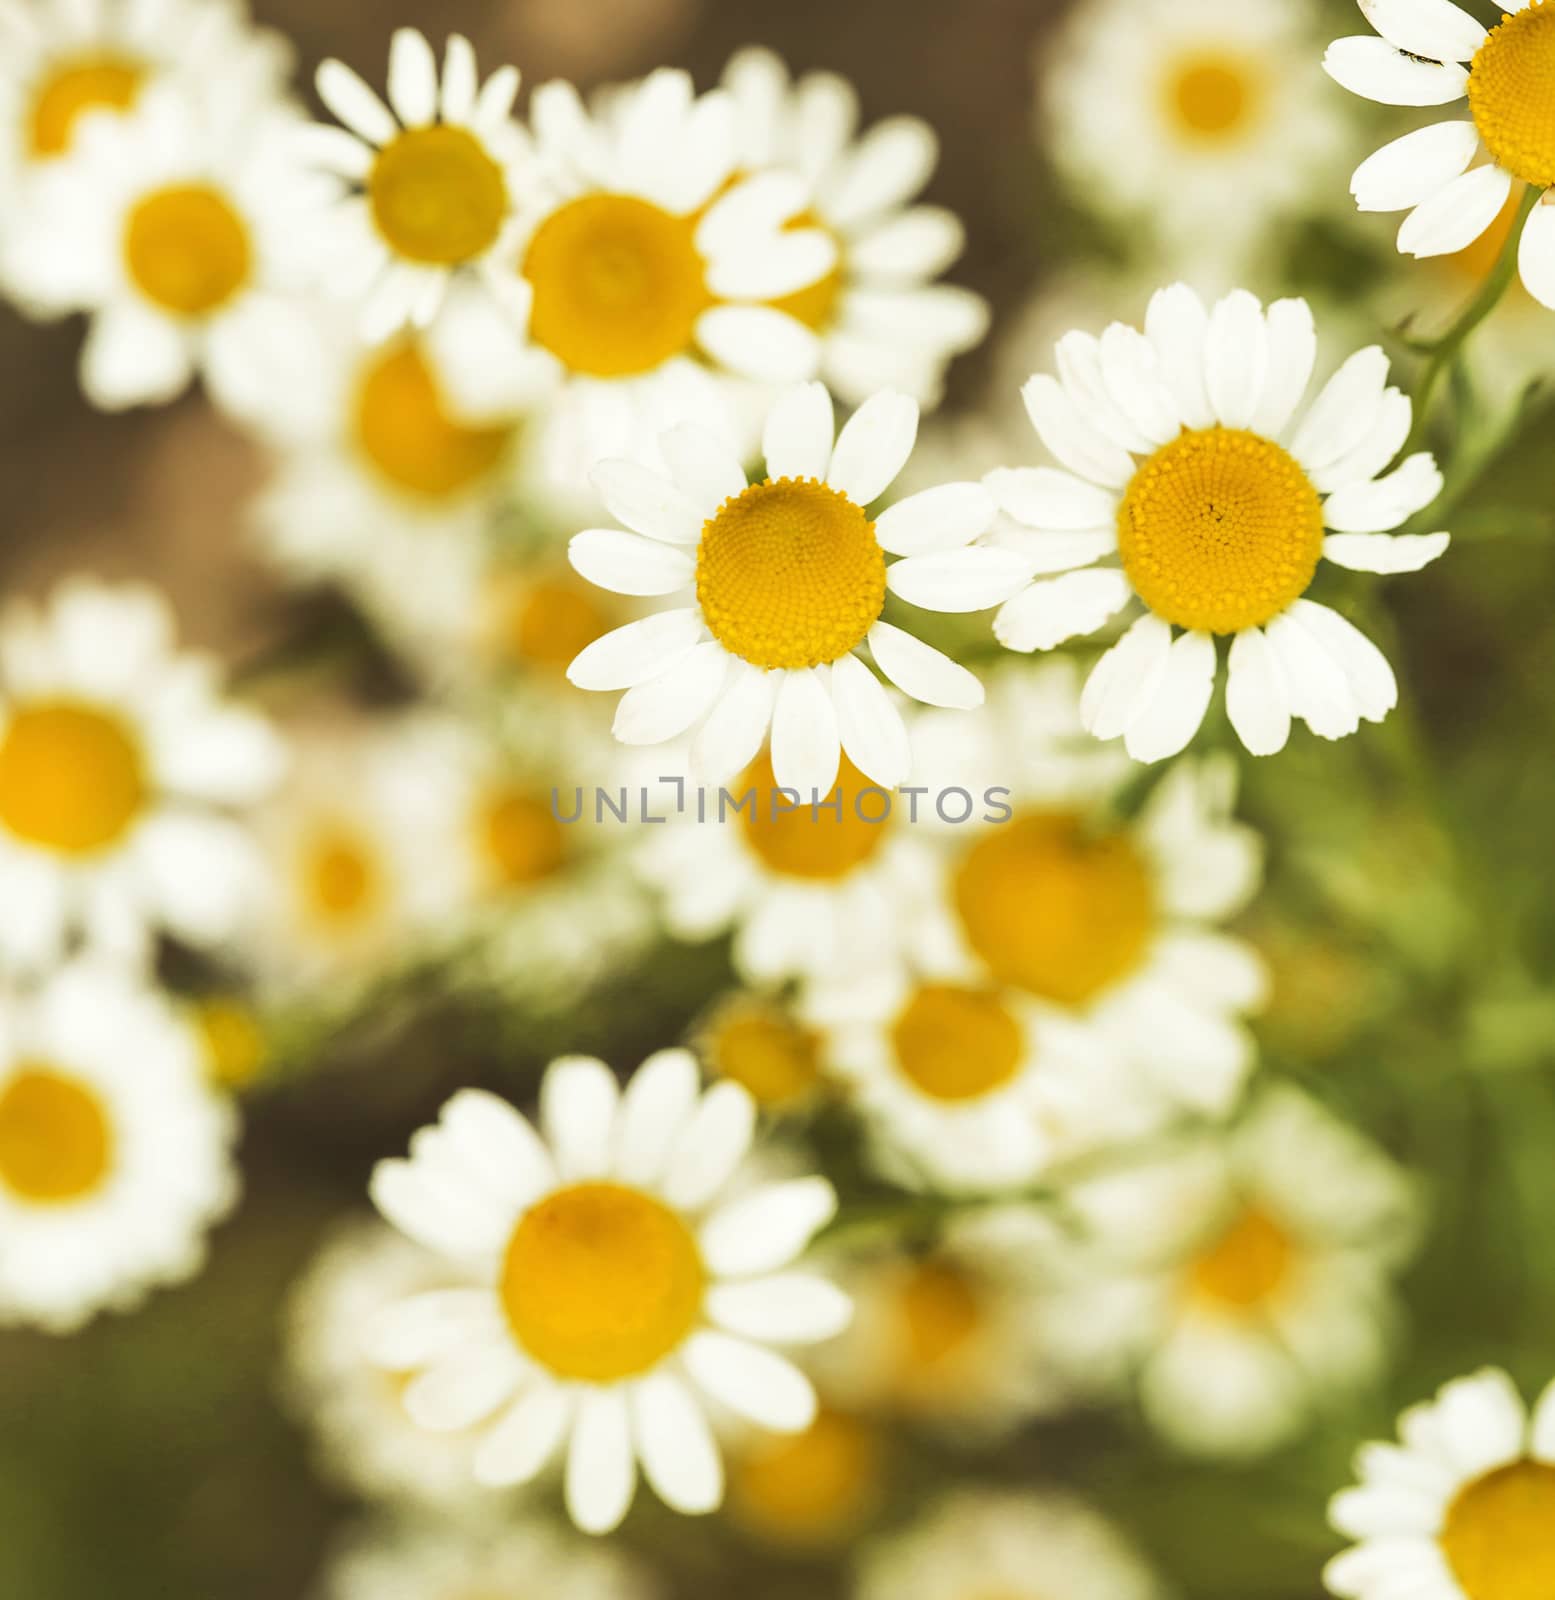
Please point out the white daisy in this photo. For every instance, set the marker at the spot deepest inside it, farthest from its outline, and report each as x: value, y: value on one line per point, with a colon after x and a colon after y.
x: 115, y: 1157
x: 1245, y: 1280
x: 1432, y: 53
x: 1032, y: 1545
x: 624, y: 1288
x: 787, y: 579
x: 431, y: 187
x: 882, y: 322
x: 1461, y: 1508
x: 1178, y: 492
x: 119, y: 767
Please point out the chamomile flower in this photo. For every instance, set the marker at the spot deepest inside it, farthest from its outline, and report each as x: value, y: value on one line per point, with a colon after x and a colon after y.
x: 1189, y: 486
x: 115, y: 1156
x: 757, y: 1041
x: 882, y: 322
x: 1461, y: 1507
x: 121, y: 770
x: 431, y: 186
x: 1433, y: 53
x: 623, y: 1285
x: 786, y: 579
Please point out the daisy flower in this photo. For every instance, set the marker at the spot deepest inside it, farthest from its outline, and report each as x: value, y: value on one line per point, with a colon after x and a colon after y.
x: 1189, y: 485
x: 120, y: 766
x: 758, y: 1042
x: 810, y: 1491
x: 1461, y: 1507
x: 429, y: 188
x: 786, y: 579
x: 881, y: 320
x: 623, y: 1286
x: 234, y: 1039
x: 1432, y: 53
x: 1017, y: 1545
x: 115, y: 1157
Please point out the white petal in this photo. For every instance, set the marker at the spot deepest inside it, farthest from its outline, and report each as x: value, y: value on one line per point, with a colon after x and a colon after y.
x: 705, y: 470
x: 922, y: 672
x: 1344, y: 412
x: 636, y: 652
x: 521, y: 1444
x: 344, y: 92
x: 412, y: 77
x: 1536, y: 254
x: 681, y: 695
x: 873, y: 447
x: 133, y: 356
x: 1236, y: 354
x: 655, y: 1107
x: 1125, y: 678
x: 797, y: 440
x: 1131, y: 370
x: 1381, y: 552
x: 961, y: 580
x: 1292, y: 349
x: 754, y: 1383
x: 794, y: 1308
x: 1044, y: 615
x: 578, y: 1101
x: 494, y: 104
x: 455, y: 1396
x: 601, y: 1469
x: 736, y: 727
x: 1385, y: 502
x: 676, y: 1447
x: 806, y: 748
x: 759, y: 342
x: 1315, y: 687
x: 942, y: 518
x: 870, y: 727
x: 1364, y: 666
x: 1255, y: 694
x: 710, y: 1147
x: 1163, y: 725
x: 460, y: 81
x: 1452, y: 219
x: 764, y: 1231
x: 909, y: 247
x: 1434, y: 28
x: 889, y: 165
x: 1541, y: 1436
x: 769, y: 268
x: 1376, y: 448
x: 1078, y: 356
x: 1371, y: 67
x: 755, y: 207
x: 1176, y: 324
x: 430, y: 1327
x: 629, y: 563
x: 647, y: 502
x: 1071, y: 440
x: 501, y: 1148
x: 1402, y: 174
x: 426, y: 1209
x: 1042, y: 497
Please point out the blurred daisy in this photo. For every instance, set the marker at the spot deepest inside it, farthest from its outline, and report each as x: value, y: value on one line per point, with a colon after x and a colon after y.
x: 624, y: 1288
x: 1176, y: 491
x: 810, y: 1491
x: 1200, y: 101
x: 882, y: 322
x: 1432, y: 53
x: 787, y: 579
x: 1246, y: 1279
x: 432, y: 185
x: 1461, y: 1508
x: 233, y: 1038
x: 115, y: 1158
x: 758, y: 1042
x: 119, y: 766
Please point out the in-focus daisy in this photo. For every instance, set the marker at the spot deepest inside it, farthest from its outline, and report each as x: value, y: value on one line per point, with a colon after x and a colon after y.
x: 882, y: 321
x: 1461, y: 1507
x: 1201, y: 122
x: 812, y: 1490
x: 121, y: 769
x: 1454, y: 177
x: 784, y: 579
x: 115, y: 1156
x: 1245, y: 1280
x: 1017, y: 1546
x: 432, y: 185
x: 1189, y: 485
x: 624, y: 1287
x: 756, y: 1040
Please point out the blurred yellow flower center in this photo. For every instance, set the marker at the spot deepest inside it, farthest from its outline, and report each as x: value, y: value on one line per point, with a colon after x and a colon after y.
x: 1498, y: 1537
x: 89, y: 83
x: 1512, y: 94
x: 546, y: 622
x: 1245, y: 1266
x: 56, y: 1143
x: 814, y: 305
x: 233, y: 1041
x: 187, y: 250
x: 1210, y: 95
x: 789, y: 574
x: 1220, y: 530
x: 404, y: 428
x: 618, y: 285
x: 601, y: 1282
x: 520, y: 837
x: 810, y: 1487
x: 956, y: 1044
x: 437, y: 196
x: 766, y: 1051
x: 1054, y: 909
x: 72, y: 778
x: 808, y: 842
x: 342, y: 880
x: 941, y: 1313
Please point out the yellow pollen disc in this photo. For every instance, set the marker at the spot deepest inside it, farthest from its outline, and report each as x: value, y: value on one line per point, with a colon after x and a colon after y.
x: 790, y: 574
x: 91, y: 83
x: 941, y: 1313
x: 187, y: 250
x: 814, y: 305
x: 809, y: 842
x: 546, y: 622
x: 520, y: 838
x: 1497, y: 1535
x: 403, y: 427
x: 762, y: 1048
x: 233, y: 1041
x: 56, y: 1143
x: 1512, y: 94
x: 601, y: 1282
x: 72, y: 778
x: 342, y: 881
x: 437, y: 196
x: 1212, y: 95
x: 1246, y: 1265
x: 1220, y: 530
x: 1053, y: 909
x: 812, y: 1487
x: 618, y: 285
x: 956, y: 1044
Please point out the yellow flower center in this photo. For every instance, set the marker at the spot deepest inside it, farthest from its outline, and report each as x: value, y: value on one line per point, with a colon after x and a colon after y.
x: 1054, y: 909
x: 72, y: 778
x: 808, y: 842
x: 56, y: 1142
x: 763, y: 1049
x: 1512, y: 94
x: 520, y: 838
x: 1220, y: 530
x: 187, y: 250
x: 815, y: 305
x: 88, y: 83
x: 813, y: 1487
x: 341, y: 878
x: 1245, y: 1266
x: 437, y: 196
x: 546, y: 622
x: 789, y: 574
x: 941, y: 1312
x: 601, y: 1282
x: 233, y: 1041
x: 956, y: 1044
x: 403, y: 427
x: 618, y: 285
x: 1497, y: 1536
x: 1211, y: 95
